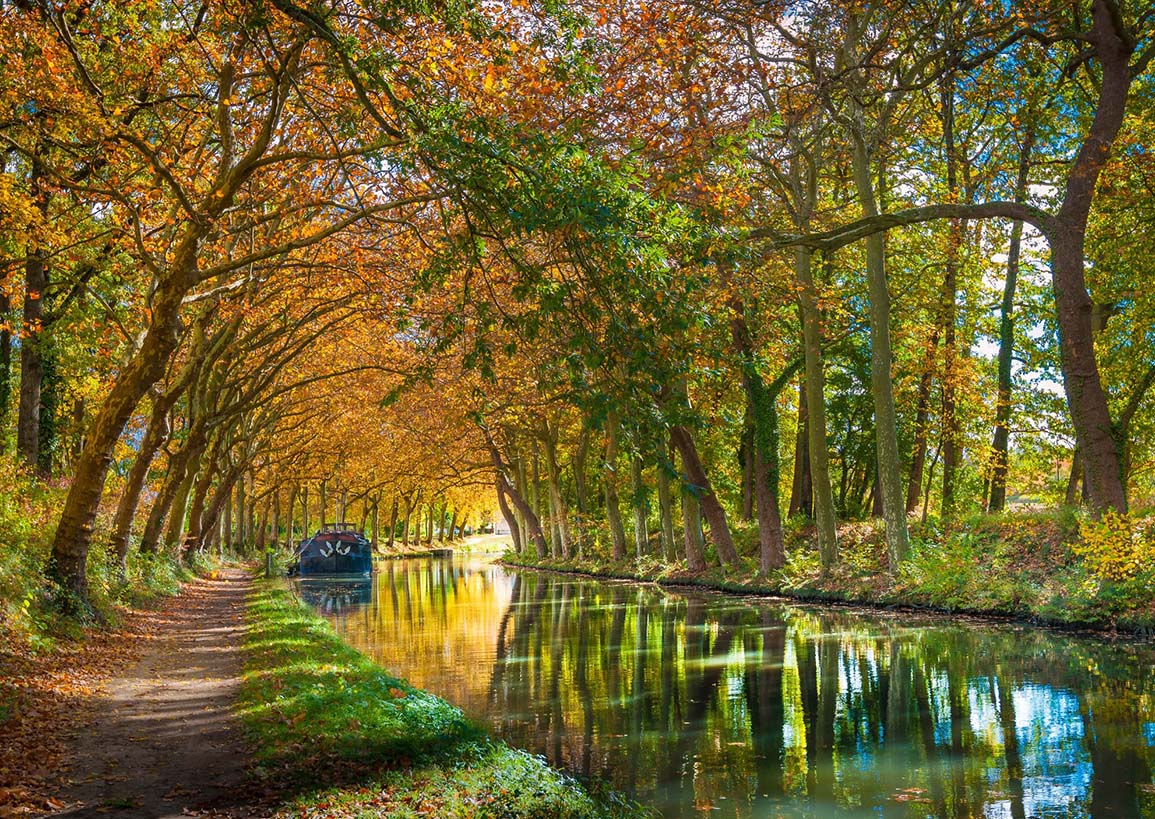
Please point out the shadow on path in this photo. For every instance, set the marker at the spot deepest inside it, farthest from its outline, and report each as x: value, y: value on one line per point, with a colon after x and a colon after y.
x: 165, y: 742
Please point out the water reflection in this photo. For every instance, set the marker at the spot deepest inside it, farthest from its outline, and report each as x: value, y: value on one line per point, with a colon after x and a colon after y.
x: 700, y: 704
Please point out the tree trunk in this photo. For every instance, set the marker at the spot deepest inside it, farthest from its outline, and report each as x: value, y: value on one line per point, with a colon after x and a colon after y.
x: 824, y: 514
x: 68, y: 561
x: 711, y: 507
x: 193, y: 538
x: 535, y: 482
x: 179, y: 509
x: 521, y: 483
x: 802, y: 487
x: 1127, y: 415
x: 1001, y: 443
x: 31, y: 360
x: 5, y: 363
x: 881, y: 384
x: 556, y: 503
x: 666, y: 511
x: 47, y: 433
x: 405, y: 523
x: 762, y: 409
x: 746, y: 461
x: 533, y: 524
x: 392, y: 523
x: 581, y: 486
x: 307, y: 532
x: 610, y: 488
x: 951, y: 432
x: 221, y: 497
x: 276, y: 532
x: 242, y: 514
x: 692, y: 537
x: 32, y: 340
x: 638, y: 492
x: 262, y: 534
x: 510, y: 518
x: 227, y: 526
x: 154, y: 437
x: 1081, y: 381
x: 175, y: 478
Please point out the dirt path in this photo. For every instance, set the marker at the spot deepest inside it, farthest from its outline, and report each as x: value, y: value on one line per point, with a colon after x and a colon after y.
x: 164, y: 741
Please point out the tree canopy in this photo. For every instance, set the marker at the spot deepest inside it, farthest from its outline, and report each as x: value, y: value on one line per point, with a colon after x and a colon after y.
x: 639, y: 278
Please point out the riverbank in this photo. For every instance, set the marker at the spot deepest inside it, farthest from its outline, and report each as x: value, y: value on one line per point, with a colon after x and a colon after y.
x: 341, y: 735
x: 1022, y: 569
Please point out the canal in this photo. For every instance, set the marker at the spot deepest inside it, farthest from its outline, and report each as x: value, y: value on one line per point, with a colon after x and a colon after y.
x: 708, y: 705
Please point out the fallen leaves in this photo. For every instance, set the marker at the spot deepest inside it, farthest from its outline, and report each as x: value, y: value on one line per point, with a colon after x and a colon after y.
x: 48, y: 698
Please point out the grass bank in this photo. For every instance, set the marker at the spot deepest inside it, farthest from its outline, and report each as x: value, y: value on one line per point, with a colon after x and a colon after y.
x: 349, y: 740
x: 1050, y: 569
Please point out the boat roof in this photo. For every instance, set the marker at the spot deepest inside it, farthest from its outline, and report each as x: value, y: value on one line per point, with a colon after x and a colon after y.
x: 341, y: 526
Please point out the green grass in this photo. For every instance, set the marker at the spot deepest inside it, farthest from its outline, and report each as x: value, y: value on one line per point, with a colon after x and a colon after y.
x: 349, y: 740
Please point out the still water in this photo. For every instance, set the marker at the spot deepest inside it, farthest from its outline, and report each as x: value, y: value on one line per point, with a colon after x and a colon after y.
x: 706, y: 705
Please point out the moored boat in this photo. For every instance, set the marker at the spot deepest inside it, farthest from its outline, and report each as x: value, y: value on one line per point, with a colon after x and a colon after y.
x: 336, y: 548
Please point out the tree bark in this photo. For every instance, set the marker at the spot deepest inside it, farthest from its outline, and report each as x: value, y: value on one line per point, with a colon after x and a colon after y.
x: 193, y: 539
x: 802, y: 486
x: 154, y: 438
x: 711, y: 506
x: 881, y: 384
x: 221, y: 497
x: 242, y: 514
x: 392, y: 523
x: 5, y: 362
x: 179, y: 508
x: 824, y: 513
x: 746, y: 461
x: 510, y: 518
x: 532, y: 522
x: 666, y: 511
x: 405, y: 522
x: 610, y: 488
x: 227, y: 524
x: 638, y: 493
x: 692, y: 537
x: 556, y: 502
x: 762, y: 408
x: 1001, y: 443
x: 31, y: 360
x: 951, y: 431
x: 1086, y: 398
x: 305, y: 511
x: 69, y: 558
x: 32, y: 339
x: 176, y: 475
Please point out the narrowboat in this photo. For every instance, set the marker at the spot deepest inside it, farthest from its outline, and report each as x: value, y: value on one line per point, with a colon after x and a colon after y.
x: 336, y: 548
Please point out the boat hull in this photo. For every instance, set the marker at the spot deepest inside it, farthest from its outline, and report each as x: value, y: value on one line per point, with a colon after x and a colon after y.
x: 335, y: 564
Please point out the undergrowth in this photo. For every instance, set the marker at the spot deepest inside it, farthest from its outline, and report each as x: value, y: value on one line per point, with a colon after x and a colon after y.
x: 352, y: 740
x: 29, y: 609
x: 1057, y: 566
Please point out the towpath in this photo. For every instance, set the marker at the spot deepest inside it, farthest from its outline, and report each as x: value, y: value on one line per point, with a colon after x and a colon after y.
x: 164, y: 741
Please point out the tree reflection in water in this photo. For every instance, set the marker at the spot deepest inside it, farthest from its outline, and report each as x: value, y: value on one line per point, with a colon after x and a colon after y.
x: 699, y: 703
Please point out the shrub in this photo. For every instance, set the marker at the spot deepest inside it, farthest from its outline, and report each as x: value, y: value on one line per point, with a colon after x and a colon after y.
x: 1113, y: 548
